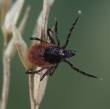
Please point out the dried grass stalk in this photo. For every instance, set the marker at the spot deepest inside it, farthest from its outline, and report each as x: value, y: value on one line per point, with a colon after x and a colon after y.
x: 4, y: 7
x: 9, y: 48
x: 36, y: 87
x: 11, y: 19
x: 7, y: 56
x: 41, y: 32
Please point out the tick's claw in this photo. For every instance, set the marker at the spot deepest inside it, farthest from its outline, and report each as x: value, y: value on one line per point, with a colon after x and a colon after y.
x: 32, y: 38
x: 101, y: 78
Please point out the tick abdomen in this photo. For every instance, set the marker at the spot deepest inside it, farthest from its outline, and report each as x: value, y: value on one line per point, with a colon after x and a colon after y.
x: 36, y: 55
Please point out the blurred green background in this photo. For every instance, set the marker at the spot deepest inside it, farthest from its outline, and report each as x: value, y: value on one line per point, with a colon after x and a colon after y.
x: 67, y: 89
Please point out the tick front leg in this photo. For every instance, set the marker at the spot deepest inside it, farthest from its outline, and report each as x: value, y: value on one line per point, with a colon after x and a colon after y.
x: 71, y: 29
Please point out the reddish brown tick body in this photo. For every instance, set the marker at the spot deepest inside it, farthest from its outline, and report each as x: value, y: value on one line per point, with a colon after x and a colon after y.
x: 36, y: 53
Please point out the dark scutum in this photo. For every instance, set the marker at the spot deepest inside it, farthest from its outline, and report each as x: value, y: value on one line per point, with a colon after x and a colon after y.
x: 54, y: 55
x: 51, y: 55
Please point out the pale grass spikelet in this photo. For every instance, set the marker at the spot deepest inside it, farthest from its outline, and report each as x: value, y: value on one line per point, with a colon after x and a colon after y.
x: 36, y: 87
x: 21, y: 48
x: 13, y: 15
x: 4, y: 8
x: 9, y: 48
x: 11, y: 19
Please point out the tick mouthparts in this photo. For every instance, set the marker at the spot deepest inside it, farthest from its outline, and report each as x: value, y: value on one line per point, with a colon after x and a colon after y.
x: 93, y: 76
x: 99, y: 78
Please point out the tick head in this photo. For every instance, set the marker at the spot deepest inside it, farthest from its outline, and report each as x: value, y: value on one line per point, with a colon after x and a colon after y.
x: 67, y: 53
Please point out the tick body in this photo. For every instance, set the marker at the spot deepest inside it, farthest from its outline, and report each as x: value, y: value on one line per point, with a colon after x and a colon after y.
x: 49, y: 55
x: 46, y: 55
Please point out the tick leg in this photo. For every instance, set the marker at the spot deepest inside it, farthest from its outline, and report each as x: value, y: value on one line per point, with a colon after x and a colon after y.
x: 56, y: 32
x: 53, y: 70
x: 78, y: 70
x: 70, y: 31
x: 35, y: 38
x: 46, y: 73
x: 50, y: 35
x: 34, y: 72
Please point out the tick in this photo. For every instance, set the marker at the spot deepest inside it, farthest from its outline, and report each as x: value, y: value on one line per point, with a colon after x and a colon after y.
x: 49, y: 55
